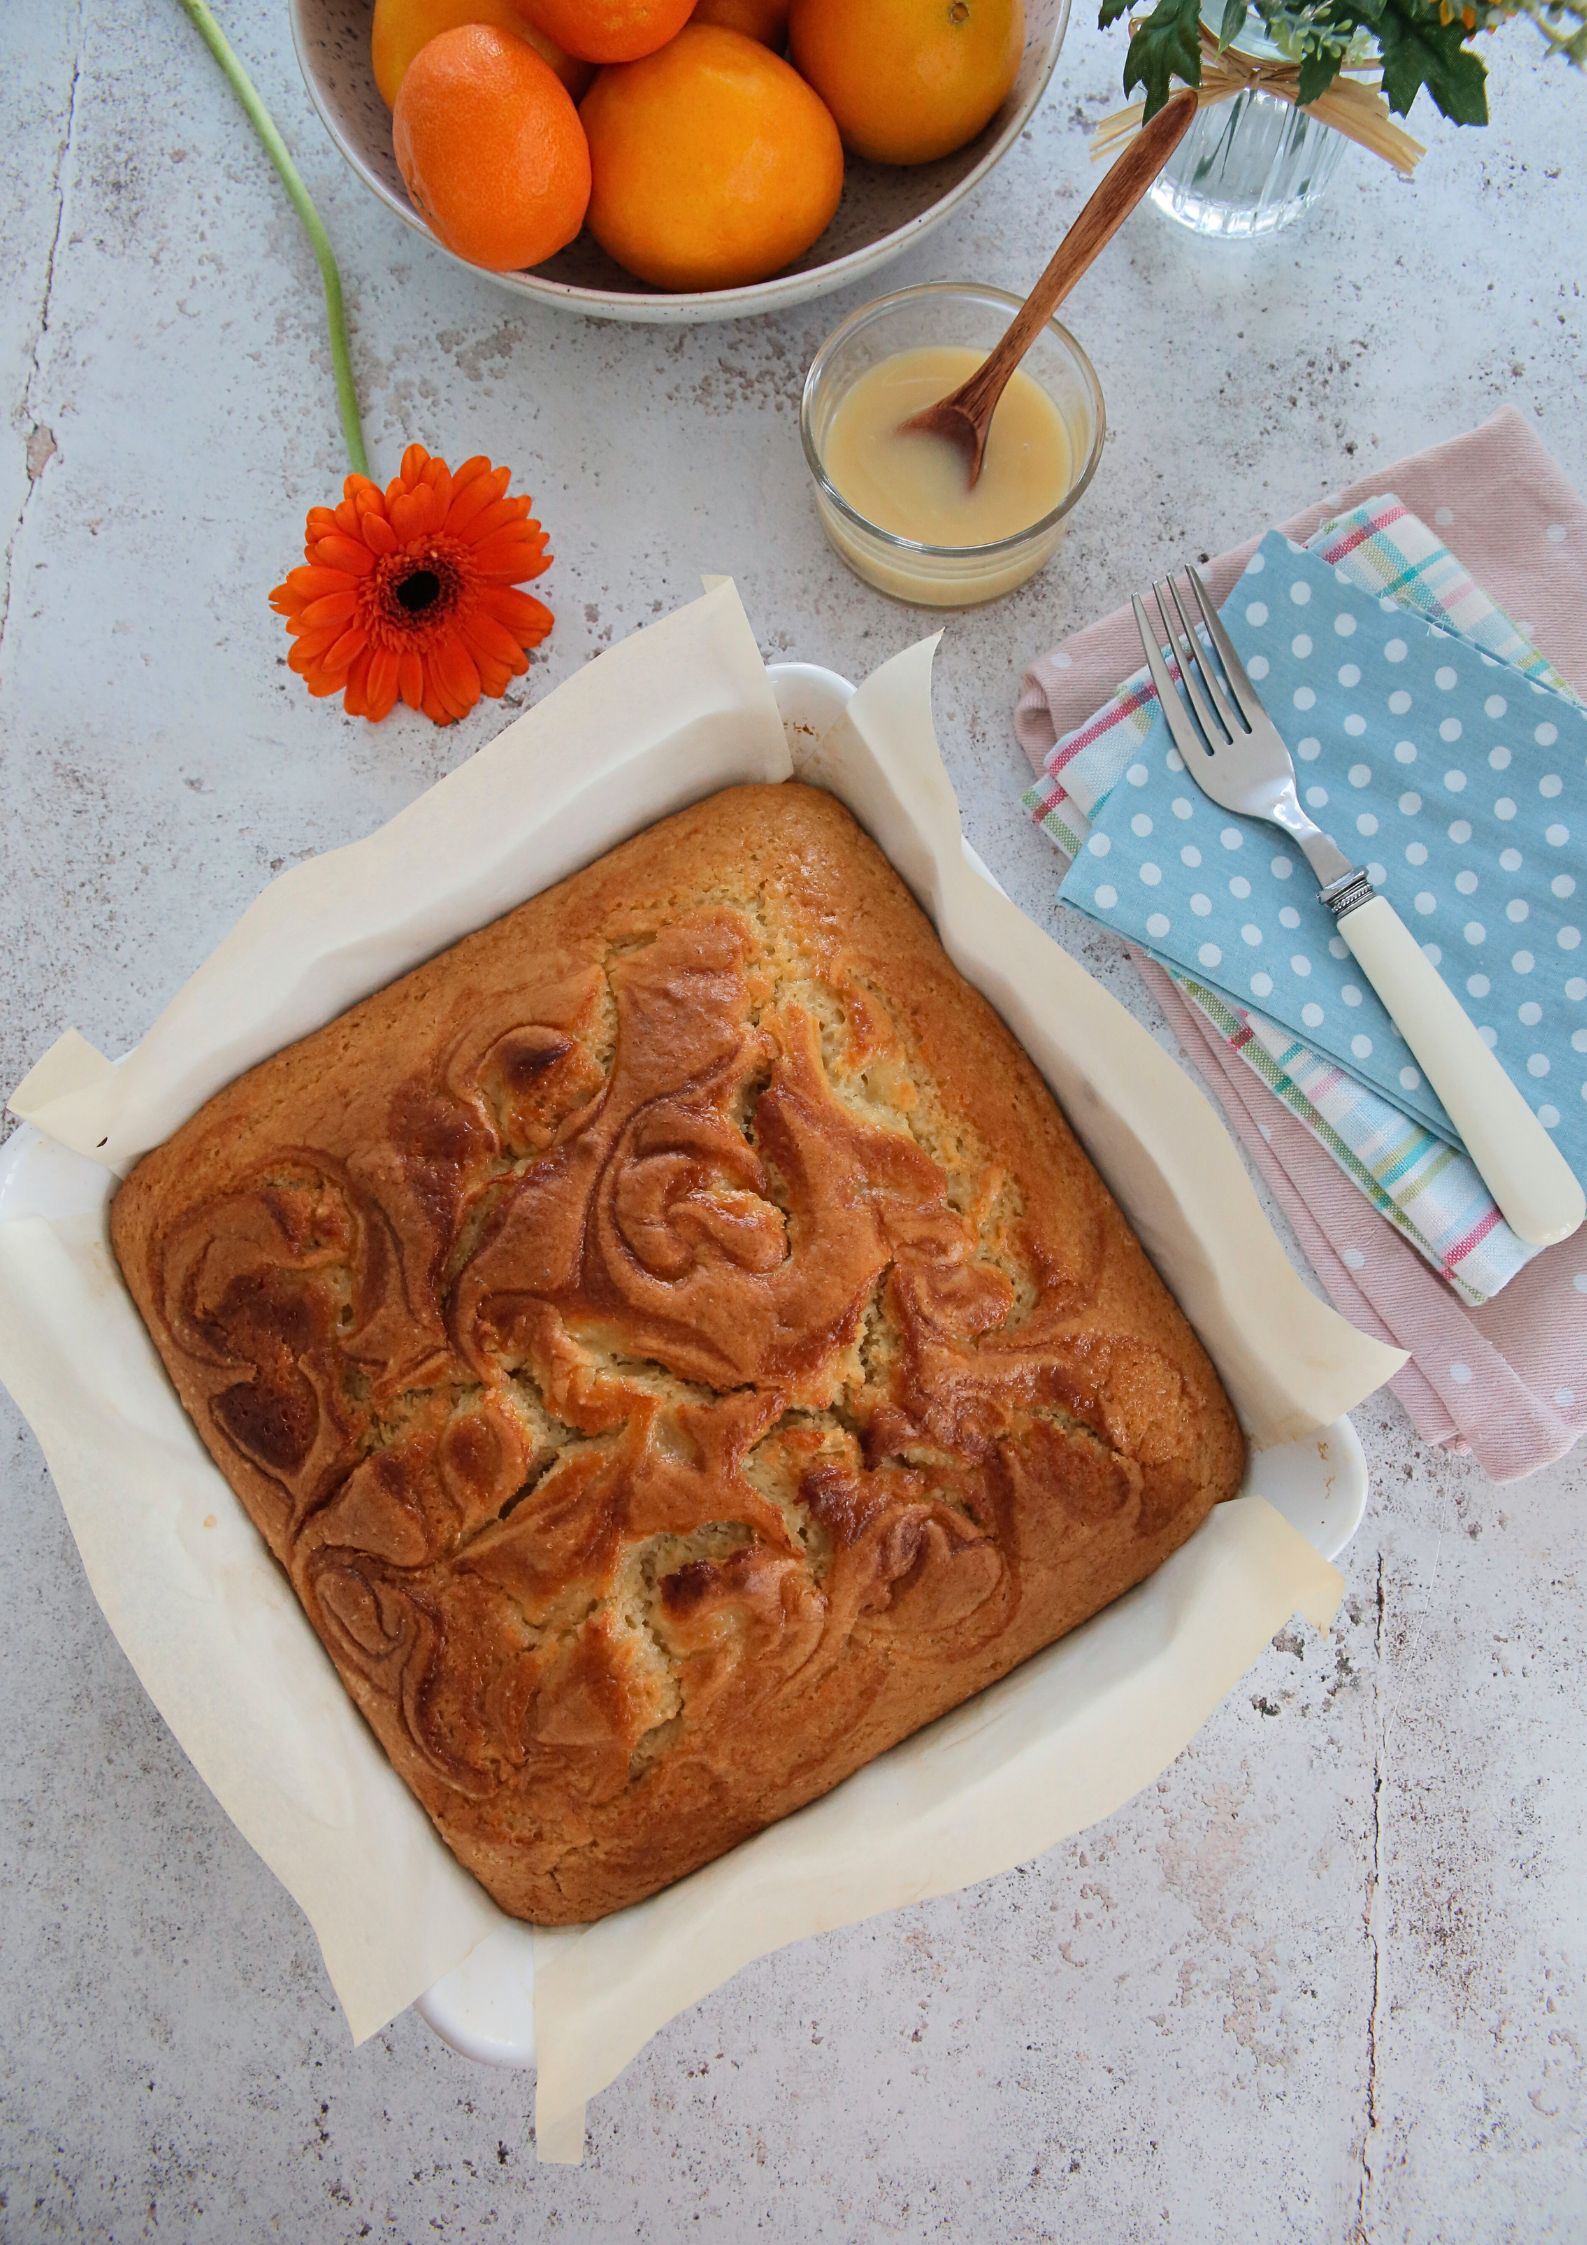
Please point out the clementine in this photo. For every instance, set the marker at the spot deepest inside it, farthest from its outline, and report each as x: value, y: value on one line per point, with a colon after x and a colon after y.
x: 402, y: 27
x: 713, y: 163
x: 609, y: 30
x: 490, y: 147
x: 908, y: 80
x: 765, y: 20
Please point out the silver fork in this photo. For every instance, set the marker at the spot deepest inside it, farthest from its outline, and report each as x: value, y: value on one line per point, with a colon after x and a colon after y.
x: 1233, y: 751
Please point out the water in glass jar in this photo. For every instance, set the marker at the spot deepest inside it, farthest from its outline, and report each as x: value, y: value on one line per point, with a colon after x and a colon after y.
x: 1247, y: 166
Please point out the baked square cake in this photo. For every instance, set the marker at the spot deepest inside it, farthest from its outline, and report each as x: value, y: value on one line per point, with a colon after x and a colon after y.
x: 675, y: 1346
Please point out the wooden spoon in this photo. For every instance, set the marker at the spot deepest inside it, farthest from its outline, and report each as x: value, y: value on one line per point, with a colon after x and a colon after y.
x: 965, y: 414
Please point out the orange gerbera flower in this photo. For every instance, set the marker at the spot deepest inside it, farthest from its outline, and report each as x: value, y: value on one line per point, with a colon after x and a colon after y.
x: 409, y: 593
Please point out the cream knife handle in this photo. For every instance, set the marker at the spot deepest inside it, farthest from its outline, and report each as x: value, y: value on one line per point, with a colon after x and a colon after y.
x: 1526, y: 1173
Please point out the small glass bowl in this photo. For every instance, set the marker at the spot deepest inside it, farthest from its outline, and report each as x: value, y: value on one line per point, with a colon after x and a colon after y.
x: 950, y: 312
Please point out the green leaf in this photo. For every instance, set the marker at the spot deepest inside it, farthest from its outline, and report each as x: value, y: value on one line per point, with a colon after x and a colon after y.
x: 1461, y: 88
x: 1111, y: 11
x: 1317, y: 74
x: 1420, y: 51
x: 1234, y: 15
x: 1166, y: 47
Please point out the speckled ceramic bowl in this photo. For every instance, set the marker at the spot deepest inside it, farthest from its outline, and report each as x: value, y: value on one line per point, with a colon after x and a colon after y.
x: 883, y: 211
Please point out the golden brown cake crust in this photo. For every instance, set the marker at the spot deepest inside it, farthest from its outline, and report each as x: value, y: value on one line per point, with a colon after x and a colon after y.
x: 674, y: 1346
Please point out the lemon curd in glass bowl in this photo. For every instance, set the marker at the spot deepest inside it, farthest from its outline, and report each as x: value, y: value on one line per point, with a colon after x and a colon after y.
x: 900, y: 509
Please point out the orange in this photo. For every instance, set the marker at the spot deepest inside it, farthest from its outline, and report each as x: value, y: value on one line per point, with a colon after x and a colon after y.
x: 402, y: 27
x: 714, y: 164
x: 908, y: 80
x: 490, y: 147
x: 609, y: 30
x: 765, y: 20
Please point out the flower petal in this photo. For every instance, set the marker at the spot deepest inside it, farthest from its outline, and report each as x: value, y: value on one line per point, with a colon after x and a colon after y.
x: 346, y: 650
x: 357, y: 703
x: 332, y: 608
x: 410, y: 678
x: 452, y: 668
x: 490, y: 519
x: 528, y: 533
x: 381, y: 688
x: 526, y: 618
x: 489, y: 641
x: 508, y: 558
x: 337, y: 552
x: 289, y: 599
x: 413, y: 514
x: 507, y: 567
x: 469, y: 502
x: 439, y: 477
x: 313, y: 647
x: 311, y: 582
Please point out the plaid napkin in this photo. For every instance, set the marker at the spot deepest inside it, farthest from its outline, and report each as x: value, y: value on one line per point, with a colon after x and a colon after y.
x: 1506, y: 1380
x: 1405, y: 1162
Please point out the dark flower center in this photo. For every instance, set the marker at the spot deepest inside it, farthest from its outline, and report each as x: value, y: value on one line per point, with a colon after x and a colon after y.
x: 419, y: 591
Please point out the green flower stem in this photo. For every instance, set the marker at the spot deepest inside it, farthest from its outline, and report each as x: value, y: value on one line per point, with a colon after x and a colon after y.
x: 276, y: 149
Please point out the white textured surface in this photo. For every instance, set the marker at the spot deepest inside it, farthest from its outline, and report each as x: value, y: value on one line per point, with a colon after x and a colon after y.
x: 1325, y: 1981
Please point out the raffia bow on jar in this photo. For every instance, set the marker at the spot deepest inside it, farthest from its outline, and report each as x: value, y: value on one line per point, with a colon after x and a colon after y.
x: 1351, y: 64
x: 1353, y: 104
x: 409, y: 593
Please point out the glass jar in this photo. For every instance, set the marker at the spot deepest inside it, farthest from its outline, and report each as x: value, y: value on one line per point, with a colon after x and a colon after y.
x: 1249, y: 165
x: 946, y: 312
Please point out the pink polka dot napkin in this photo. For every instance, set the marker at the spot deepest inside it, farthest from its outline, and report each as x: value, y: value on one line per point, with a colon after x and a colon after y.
x: 1507, y: 1380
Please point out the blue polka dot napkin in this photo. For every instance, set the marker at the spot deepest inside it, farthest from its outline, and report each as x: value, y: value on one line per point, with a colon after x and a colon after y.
x: 1459, y: 782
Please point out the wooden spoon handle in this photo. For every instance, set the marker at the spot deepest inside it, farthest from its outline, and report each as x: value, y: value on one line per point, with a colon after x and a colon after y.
x: 1084, y: 243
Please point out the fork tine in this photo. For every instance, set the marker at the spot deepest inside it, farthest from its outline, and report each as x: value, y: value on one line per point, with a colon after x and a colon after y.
x: 1215, y: 736
x: 1246, y: 699
x: 1181, y: 721
x: 1205, y: 671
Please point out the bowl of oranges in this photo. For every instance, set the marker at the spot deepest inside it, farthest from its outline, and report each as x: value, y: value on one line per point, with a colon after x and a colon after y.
x: 675, y: 160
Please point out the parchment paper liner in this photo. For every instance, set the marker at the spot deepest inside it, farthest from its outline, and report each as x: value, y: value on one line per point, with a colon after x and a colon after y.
x: 207, y: 1619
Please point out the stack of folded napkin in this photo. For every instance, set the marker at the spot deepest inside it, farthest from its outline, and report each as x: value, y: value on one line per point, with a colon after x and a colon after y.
x: 1441, y: 748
